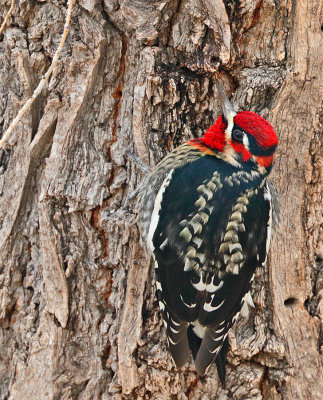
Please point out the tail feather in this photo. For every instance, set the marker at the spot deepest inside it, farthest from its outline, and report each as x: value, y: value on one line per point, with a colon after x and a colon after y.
x: 209, y: 350
x: 194, y: 341
x: 206, y: 353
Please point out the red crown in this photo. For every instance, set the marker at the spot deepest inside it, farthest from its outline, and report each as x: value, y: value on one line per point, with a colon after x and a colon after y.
x: 258, y: 127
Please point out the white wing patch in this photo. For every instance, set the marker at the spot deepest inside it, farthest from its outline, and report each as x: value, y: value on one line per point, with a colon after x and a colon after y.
x: 267, y: 196
x: 155, y: 214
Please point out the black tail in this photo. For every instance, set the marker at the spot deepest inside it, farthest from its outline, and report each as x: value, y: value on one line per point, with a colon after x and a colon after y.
x: 221, y: 360
x: 194, y: 341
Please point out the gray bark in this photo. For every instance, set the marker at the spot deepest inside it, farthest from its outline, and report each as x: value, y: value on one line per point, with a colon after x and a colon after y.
x: 78, y: 316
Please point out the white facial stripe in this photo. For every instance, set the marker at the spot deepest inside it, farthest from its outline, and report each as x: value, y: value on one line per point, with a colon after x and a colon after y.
x: 228, y: 134
x: 229, y: 150
x: 228, y: 131
x: 245, y: 141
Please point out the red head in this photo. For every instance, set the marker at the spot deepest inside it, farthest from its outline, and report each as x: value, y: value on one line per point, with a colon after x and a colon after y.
x: 244, y: 136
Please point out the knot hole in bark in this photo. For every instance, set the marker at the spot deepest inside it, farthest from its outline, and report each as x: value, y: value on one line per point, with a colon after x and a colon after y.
x: 291, y: 302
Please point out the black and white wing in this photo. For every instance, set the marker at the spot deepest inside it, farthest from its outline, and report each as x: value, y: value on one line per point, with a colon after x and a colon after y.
x: 206, y: 243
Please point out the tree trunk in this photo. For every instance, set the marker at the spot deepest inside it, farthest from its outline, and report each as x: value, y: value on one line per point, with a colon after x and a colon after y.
x: 79, y: 318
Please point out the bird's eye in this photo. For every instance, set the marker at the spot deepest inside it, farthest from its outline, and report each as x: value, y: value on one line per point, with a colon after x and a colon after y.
x: 237, y: 135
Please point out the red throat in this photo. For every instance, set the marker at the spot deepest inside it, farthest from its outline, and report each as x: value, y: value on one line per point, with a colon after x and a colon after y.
x: 265, y: 161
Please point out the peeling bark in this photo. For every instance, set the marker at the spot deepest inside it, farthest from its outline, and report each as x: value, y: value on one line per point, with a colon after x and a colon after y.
x: 78, y: 314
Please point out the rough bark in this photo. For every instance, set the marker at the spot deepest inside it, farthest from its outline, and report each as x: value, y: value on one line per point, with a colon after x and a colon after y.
x: 78, y: 314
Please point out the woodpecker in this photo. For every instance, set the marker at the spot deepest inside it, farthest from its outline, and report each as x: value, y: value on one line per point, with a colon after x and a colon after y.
x: 205, y: 214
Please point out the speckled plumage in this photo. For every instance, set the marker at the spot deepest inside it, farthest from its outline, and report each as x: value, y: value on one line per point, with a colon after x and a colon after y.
x: 206, y: 214
x: 179, y: 157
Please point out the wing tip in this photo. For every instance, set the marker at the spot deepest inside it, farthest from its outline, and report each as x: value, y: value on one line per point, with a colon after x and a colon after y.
x: 178, y: 341
x: 221, y: 361
x: 180, y: 353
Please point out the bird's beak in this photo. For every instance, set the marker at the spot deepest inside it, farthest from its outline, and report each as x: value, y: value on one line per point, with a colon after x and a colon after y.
x: 227, y: 108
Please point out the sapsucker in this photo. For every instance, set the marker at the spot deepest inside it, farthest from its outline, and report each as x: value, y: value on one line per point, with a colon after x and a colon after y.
x: 205, y: 213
